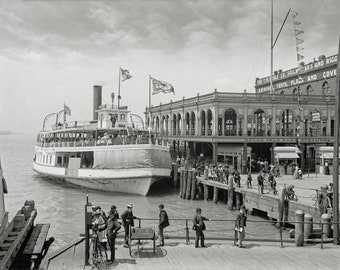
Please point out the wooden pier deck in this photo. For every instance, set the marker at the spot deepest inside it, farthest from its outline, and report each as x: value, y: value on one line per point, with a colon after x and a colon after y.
x: 218, y: 255
x: 269, y: 203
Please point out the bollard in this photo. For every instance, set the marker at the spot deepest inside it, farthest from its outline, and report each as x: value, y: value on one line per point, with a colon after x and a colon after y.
x: 193, y: 185
x: 186, y: 232
x: 230, y: 195
x: 26, y: 211
x: 215, y: 195
x: 30, y: 203
x: 308, y: 226
x: 326, y: 222
x: 281, y: 240
x: 206, y: 192
x: 299, y: 228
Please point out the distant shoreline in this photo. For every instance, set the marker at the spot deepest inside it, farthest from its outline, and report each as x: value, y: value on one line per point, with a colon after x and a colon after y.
x: 10, y: 133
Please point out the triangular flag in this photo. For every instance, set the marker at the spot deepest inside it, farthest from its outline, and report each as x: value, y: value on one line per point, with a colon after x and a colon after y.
x: 67, y: 109
x: 300, y: 57
x: 298, y: 32
x: 294, y: 14
x: 125, y: 74
x: 296, y: 23
x: 299, y: 40
x: 299, y: 48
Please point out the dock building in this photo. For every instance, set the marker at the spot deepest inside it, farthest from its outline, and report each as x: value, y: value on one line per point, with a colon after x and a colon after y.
x: 240, y: 128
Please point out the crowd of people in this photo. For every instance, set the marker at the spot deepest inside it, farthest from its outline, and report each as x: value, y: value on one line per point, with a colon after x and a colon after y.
x: 107, y: 226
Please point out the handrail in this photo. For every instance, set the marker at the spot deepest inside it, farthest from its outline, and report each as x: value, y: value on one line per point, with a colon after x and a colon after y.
x: 46, y: 261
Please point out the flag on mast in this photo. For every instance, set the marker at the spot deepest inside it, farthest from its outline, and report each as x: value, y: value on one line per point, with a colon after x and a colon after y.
x: 125, y: 74
x: 161, y: 87
x: 67, y: 109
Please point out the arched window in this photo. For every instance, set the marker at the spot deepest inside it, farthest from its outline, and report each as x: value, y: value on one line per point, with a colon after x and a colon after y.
x: 282, y: 93
x: 260, y: 121
x: 174, y: 123
x: 309, y: 90
x: 203, y: 123
x: 193, y: 123
x: 295, y: 92
x: 325, y: 88
x: 210, y: 122
x: 230, y: 122
x: 187, y: 123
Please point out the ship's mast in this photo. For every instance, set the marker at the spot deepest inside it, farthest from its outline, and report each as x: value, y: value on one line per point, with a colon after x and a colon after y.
x: 271, y: 49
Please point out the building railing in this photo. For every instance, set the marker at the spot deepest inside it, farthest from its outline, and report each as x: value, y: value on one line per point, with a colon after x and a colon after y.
x: 102, y: 142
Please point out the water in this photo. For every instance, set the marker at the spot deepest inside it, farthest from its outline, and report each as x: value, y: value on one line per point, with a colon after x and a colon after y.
x: 62, y: 204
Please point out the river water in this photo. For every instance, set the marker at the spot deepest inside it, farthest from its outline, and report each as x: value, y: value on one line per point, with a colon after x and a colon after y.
x: 62, y: 204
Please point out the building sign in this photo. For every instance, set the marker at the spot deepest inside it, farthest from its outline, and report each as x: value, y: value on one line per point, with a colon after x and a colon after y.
x: 308, y: 75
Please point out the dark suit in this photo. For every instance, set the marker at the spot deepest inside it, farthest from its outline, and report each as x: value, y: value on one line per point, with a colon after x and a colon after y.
x: 127, y: 218
x: 199, y: 227
x: 240, y: 224
x: 163, y: 222
x: 112, y: 227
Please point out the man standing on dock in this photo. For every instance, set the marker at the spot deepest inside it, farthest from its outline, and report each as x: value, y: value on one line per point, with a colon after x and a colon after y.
x: 240, y: 224
x: 127, y: 218
x: 163, y: 223
x: 113, y: 226
x: 199, y: 227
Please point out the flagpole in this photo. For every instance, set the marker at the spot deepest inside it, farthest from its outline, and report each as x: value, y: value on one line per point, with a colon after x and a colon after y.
x: 149, y: 100
x: 271, y: 50
x: 119, y: 87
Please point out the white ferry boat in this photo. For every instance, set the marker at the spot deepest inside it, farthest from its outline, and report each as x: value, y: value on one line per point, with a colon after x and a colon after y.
x: 106, y: 154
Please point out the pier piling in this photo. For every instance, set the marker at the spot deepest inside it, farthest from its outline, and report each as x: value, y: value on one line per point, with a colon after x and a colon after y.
x: 215, y: 195
x: 238, y: 200
x: 308, y: 225
x: 188, y: 186
x: 299, y: 228
x: 230, y: 195
x: 181, y: 176
x: 184, y: 187
x: 175, y: 175
x: 193, y: 185
x: 206, y: 192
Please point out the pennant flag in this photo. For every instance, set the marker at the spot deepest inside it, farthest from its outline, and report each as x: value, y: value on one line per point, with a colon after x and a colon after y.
x: 298, y: 32
x: 300, y: 57
x: 161, y: 87
x: 3, y: 180
x: 299, y: 40
x: 125, y: 74
x: 294, y: 14
x: 299, y: 48
x: 67, y: 109
x: 296, y: 23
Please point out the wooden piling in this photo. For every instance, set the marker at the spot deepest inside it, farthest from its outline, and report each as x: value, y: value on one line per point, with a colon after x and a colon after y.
x: 308, y: 226
x: 326, y: 221
x: 193, y: 185
x: 285, y: 212
x: 188, y: 187
x: 299, y: 228
x: 205, y: 174
x: 215, y: 195
x: 280, y: 208
x: 230, y: 195
x: 206, y: 192
x: 181, y: 176
x: 184, y: 187
x: 238, y: 200
x: 175, y: 175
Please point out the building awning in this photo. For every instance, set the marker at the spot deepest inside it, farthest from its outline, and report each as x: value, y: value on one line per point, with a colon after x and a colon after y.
x: 286, y: 155
x: 327, y: 155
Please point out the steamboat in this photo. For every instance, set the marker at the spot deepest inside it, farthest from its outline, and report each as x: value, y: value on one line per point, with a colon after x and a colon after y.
x: 107, y: 153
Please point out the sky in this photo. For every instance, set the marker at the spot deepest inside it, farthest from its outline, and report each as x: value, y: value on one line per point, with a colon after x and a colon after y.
x: 54, y: 52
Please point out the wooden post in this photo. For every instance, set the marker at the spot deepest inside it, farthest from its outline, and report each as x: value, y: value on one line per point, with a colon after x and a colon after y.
x: 188, y: 187
x: 19, y: 222
x: 206, y: 192
x: 30, y: 203
x: 285, y: 212
x: 308, y: 225
x: 299, y: 228
x: 205, y: 174
x: 184, y: 187
x: 230, y: 195
x: 175, y: 176
x: 215, y: 195
x: 26, y: 211
x: 238, y: 200
x: 326, y: 220
x: 281, y: 206
x: 193, y: 185
x: 181, y: 176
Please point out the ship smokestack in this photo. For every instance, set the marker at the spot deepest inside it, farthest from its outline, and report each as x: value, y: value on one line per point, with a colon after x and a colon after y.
x: 97, y: 100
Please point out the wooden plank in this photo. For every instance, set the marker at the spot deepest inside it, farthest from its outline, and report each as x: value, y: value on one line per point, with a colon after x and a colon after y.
x: 36, y: 240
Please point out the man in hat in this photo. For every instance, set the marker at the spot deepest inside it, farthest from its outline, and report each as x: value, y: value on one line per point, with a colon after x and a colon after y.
x: 127, y: 218
x: 113, y: 226
x: 163, y: 223
x: 199, y: 227
x: 99, y: 226
x: 240, y: 224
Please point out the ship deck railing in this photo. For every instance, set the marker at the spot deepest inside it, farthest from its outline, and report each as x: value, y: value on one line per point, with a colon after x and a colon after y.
x: 106, y: 142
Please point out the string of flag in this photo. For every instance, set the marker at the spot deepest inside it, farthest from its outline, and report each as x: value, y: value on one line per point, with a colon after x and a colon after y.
x: 299, y: 56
